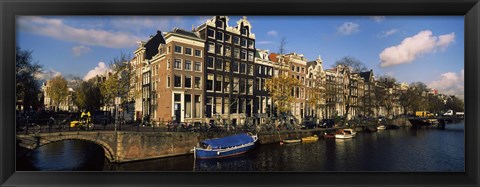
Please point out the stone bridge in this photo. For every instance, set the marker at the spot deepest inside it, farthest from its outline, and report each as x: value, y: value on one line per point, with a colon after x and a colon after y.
x: 122, y: 146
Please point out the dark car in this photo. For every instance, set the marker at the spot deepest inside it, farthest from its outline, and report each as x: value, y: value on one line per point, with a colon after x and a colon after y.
x: 327, y: 123
x: 308, y: 124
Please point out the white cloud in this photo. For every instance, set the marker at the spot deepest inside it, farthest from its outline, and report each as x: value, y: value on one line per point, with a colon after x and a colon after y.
x: 388, y: 33
x: 47, y: 74
x: 272, y: 33
x: 56, y: 28
x: 101, y: 69
x: 450, y: 83
x: 80, y: 50
x: 264, y: 42
x: 348, y: 28
x: 377, y: 19
x: 412, y: 47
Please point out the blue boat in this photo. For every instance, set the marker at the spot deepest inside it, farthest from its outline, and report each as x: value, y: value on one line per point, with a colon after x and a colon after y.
x: 225, y: 147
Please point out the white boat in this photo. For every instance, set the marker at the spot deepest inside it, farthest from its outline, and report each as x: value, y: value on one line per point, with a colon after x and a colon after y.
x: 381, y: 127
x: 350, y: 131
x: 343, y: 136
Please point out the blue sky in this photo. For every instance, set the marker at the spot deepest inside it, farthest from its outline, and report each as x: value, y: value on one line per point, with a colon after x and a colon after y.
x: 410, y: 48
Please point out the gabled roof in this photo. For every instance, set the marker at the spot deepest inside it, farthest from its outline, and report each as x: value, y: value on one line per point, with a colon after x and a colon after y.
x: 185, y: 33
x: 151, y: 47
x: 366, y: 75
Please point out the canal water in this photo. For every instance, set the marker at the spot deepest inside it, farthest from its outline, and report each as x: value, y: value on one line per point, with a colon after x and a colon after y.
x: 403, y: 149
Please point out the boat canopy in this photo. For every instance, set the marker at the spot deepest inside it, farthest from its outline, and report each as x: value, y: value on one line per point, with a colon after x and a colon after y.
x: 229, y: 141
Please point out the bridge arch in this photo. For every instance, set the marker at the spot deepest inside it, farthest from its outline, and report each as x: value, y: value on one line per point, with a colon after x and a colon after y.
x: 33, y: 142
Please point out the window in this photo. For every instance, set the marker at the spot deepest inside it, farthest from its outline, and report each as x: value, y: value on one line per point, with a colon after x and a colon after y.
x: 198, y: 82
x: 227, y: 66
x: 188, y: 105
x: 220, y: 36
x: 264, y: 88
x: 211, y: 33
x: 198, y: 53
x: 178, y: 49
x: 177, y: 81
x: 228, y: 52
x: 249, y: 69
x: 235, y: 85
x: 258, y: 83
x: 233, y: 107
x: 259, y: 70
x: 188, y: 51
x: 250, y: 44
x: 243, y: 55
x: 293, y: 68
x: 226, y: 85
x: 198, y: 106
x: 218, y: 83
x: 250, y: 56
x: 235, y: 66
x: 188, y: 65
x: 228, y: 38
x: 177, y: 98
x: 219, y: 64
x: 198, y: 66
x: 168, y: 50
x: 243, y: 69
x: 236, y: 40
x: 241, y: 85
x: 177, y: 64
x: 208, y: 107
x: 219, y: 23
x: 250, y: 86
x: 168, y: 64
x: 226, y: 106
x: 168, y: 81
x: 219, y: 49
x: 244, y: 31
x: 243, y: 42
x: 211, y: 47
x: 210, y: 62
x: 298, y: 69
x: 236, y: 53
x: 188, y: 81
x: 210, y: 82
x: 218, y: 105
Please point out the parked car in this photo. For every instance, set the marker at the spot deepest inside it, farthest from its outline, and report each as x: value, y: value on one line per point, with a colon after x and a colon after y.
x: 327, y: 123
x: 308, y: 124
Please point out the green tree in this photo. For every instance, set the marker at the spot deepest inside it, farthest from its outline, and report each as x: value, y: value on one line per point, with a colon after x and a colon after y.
x: 117, y: 83
x: 280, y: 88
x: 88, y: 95
x: 27, y: 86
x: 455, y: 104
x: 58, y: 90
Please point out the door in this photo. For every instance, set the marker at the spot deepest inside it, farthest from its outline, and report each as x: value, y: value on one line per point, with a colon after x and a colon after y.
x: 178, y: 112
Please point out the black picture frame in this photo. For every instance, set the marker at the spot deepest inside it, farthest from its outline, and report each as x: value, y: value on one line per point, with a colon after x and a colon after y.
x: 11, y: 8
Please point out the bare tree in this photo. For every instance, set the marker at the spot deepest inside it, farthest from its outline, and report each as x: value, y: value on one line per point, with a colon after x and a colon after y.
x: 282, y: 46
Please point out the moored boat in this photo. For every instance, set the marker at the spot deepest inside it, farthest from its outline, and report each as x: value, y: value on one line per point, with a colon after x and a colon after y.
x: 350, y: 131
x: 310, y: 138
x: 225, y: 147
x: 381, y: 127
x: 341, y: 134
x: 292, y: 141
x: 326, y: 135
